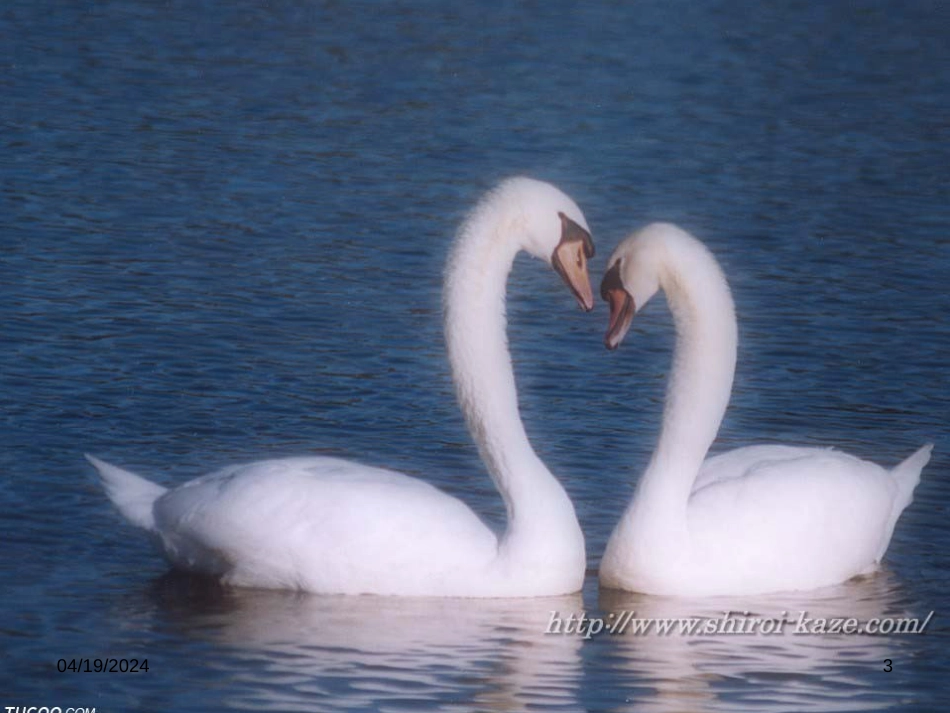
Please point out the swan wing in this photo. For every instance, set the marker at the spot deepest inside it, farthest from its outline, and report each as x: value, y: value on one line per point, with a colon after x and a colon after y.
x: 321, y: 524
x: 741, y: 461
x: 793, y: 518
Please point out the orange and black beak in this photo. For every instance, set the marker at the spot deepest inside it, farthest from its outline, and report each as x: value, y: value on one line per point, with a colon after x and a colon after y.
x: 621, y: 304
x: 570, y: 261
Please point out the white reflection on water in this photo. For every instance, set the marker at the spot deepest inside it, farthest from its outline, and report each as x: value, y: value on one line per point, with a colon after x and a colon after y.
x: 784, y: 671
x: 290, y: 651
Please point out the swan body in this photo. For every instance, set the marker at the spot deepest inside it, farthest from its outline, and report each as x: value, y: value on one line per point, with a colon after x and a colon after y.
x: 753, y: 520
x: 335, y: 526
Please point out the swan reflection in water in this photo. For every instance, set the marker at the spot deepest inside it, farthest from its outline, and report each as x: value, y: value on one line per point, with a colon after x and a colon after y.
x: 299, y: 651
x: 766, y: 673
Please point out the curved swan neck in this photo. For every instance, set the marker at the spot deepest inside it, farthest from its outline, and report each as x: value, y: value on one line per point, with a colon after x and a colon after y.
x: 704, y: 360
x: 475, y: 325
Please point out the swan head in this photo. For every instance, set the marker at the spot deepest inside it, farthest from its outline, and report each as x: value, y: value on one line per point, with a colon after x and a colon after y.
x: 554, y: 230
x: 633, y: 276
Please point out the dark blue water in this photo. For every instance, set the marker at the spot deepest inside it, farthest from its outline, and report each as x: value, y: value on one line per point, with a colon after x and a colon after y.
x: 222, y: 235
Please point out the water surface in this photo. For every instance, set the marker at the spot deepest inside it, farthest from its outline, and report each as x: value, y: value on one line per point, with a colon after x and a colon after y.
x: 223, y: 232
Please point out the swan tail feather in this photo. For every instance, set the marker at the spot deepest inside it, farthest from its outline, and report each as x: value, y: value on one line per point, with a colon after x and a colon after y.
x: 907, y: 474
x: 132, y: 495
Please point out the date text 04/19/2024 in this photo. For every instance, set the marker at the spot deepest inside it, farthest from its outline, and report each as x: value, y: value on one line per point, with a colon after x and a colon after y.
x: 107, y: 665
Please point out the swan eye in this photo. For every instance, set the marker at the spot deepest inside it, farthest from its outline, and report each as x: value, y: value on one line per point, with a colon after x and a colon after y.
x: 571, y: 231
x: 611, y: 281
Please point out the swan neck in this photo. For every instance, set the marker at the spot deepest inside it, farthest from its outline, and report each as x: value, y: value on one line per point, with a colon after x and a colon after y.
x: 701, y: 378
x: 475, y: 331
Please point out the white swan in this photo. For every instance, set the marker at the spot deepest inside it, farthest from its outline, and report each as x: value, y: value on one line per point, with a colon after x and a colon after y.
x: 753, y: 520
x: 333, y: 526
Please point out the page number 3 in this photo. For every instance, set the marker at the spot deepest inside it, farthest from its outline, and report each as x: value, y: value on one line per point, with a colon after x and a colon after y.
x: 887, y: 665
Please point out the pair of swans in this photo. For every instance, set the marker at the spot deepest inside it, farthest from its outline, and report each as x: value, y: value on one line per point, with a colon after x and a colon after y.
x: 753, y: 520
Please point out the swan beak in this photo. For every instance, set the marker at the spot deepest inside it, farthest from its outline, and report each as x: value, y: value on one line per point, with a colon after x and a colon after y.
x: 570, y: 261
x: 621, y: 304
